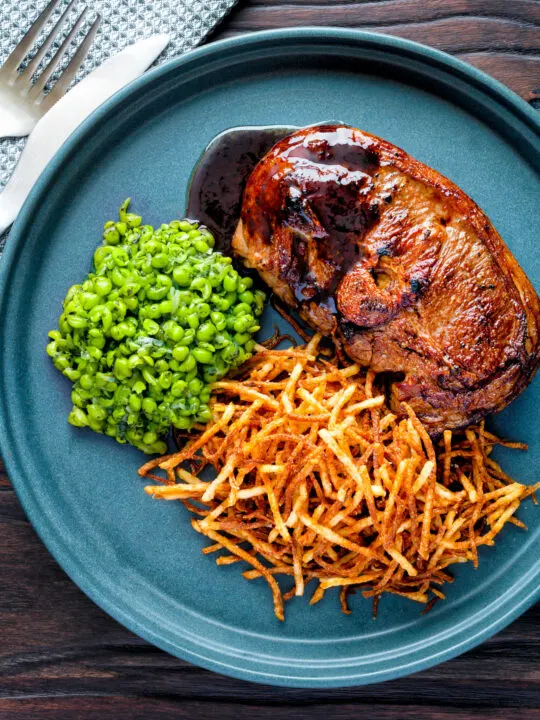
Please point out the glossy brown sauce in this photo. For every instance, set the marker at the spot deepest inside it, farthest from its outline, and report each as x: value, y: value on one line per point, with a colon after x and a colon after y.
x: 217, y: 183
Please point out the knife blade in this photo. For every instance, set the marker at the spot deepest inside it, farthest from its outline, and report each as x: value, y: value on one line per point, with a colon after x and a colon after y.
x: 74, y: 107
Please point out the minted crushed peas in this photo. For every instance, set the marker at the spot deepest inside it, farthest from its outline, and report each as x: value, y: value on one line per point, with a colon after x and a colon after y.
x: 160, y: 318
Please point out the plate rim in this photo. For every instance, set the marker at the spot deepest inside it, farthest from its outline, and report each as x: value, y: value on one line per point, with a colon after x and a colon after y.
x: 529, y: 588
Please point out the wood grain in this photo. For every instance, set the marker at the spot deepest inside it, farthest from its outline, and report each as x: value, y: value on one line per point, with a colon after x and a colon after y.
x: 501, y: 37
x: 61, y: 657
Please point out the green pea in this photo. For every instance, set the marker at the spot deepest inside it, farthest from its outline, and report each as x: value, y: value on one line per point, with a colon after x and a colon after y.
x: 229, y: 353
x: 247, y: 297
x: 179, y: 388
x: 150, y: 326
x: 156, y: 292
x: 218, y: 318
x: 149, y: 406
x: 166, y: 307
x: 77, y: 399
x: 190, y: 362
x: 182, y: 423
x: 77, y: 322
x: 129, y: 328
x: 51, y: 349
x: 193, y: 320
x: 158, y: 448
x: 118, y: 413
x: 134, y: 403
x: 228, y: 301
x: 117, y: 332
x: 151, y: 246
x: 153, y: 311
x: 94, y: 352
x: 175, y: 333
x: 161, y: 366
x: 72, y: 374
x: 111, y: 236
x: 209, y: 238
x: 206, y: 331
x: 86, y: 382
x: 149, y: 437
x: 244, y: 284
x: 193, y: 373
x: 192, y: 406
x: 62, y: 362
x: 203, y: 309
x: 122, y: 369
x: 138, y: 387
x: 201, y: 246
x: 133, y: 220
x: 195, y: 386
x: 241, y: 309
x: 120, y: 257
x: 230, y: 282
x: 96, y: 412
x: 165, y: 379
x: 203, y: 286
x: 185, y: 225
x: 182, y: 276
x: 77, y: 417
x: 160, y: 260
x: 202, y: 356
x: 89, y: 300
x: 180, y: 352
x: 204, y: 414
x: 241, y: 324
x: 119, y: 276
x: 101, y: 314
x: 148, y: 376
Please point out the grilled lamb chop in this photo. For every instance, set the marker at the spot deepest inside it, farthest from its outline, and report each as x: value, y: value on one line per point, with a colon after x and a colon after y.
x: 398, y: 265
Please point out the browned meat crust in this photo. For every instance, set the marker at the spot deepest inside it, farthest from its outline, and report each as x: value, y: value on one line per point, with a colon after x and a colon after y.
x: 399, y: 264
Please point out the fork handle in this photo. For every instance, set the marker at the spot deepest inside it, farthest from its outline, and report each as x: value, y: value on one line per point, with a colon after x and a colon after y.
x: 15, y: 121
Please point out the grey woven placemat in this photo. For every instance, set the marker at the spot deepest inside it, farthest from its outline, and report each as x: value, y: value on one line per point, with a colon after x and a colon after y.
x: 188, y: 22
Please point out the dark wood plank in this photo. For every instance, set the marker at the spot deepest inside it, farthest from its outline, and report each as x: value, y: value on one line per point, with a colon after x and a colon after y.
x: 61, y: 657
x: 498, y: 36
x: 164, y: 709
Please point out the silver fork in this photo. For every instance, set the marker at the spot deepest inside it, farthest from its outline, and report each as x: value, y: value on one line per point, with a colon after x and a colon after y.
x: 23, y: 103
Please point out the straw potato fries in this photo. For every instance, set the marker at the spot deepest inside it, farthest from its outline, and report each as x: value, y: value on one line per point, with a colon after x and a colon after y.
x: 318, y: 480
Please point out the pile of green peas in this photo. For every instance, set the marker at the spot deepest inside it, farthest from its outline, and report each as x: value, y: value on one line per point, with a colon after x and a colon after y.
x: 159, y: 320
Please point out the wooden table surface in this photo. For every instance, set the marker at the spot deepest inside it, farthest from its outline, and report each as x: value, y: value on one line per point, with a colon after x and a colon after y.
x: 62, y: 657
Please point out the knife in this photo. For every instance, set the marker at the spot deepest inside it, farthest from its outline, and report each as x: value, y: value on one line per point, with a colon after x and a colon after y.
x: 69, y: 112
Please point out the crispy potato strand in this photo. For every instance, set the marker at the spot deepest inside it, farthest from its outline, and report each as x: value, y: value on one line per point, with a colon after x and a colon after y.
x: 316, y: 479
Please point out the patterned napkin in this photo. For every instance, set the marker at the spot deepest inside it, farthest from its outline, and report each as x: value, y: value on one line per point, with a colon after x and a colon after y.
x: 188, y: 22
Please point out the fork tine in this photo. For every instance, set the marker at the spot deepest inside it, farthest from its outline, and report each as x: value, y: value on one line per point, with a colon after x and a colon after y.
x: 34, y: 63
x: 56, y: 59
x: 17, y: 55
x: 70, y: 71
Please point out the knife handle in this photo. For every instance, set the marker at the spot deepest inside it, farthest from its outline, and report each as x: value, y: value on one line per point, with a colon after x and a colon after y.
x: 8, y: 211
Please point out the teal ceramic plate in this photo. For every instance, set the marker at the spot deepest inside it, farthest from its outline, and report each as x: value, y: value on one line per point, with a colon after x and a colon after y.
x: 139, y: 559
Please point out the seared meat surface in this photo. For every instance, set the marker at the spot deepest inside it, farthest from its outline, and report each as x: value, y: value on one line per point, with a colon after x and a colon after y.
x: 399, y: 265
